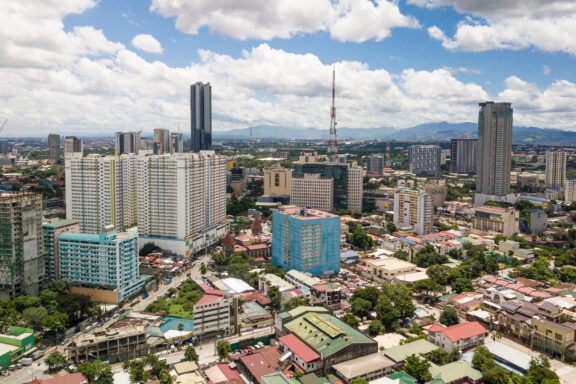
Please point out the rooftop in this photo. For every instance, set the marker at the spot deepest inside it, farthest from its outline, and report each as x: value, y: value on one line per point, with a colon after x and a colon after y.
x: 416, y: 347
x: 306, y: 213
x: 363, y: 365
x: 460, y: 331
x: 300, y: 349
x: 454, y: 372
x: 73, y: 378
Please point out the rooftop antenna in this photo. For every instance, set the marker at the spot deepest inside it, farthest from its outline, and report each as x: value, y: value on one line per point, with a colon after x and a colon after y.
x: 332, y: 151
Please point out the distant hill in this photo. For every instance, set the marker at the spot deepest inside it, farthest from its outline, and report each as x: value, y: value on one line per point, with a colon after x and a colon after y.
x: 442, y: 131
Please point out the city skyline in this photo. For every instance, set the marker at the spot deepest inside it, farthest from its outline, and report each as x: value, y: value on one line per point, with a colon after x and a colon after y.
x: 102, y: 66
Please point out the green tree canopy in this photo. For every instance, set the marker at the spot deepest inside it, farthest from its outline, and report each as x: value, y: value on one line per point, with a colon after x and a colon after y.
x: 449, y: 316
x: 418, y: 368
x: 223, y: 348
x: 351, y: 320
x: 96, y: 372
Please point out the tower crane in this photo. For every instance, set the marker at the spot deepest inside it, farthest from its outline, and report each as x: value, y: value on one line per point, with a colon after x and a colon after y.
x: 3, y: 125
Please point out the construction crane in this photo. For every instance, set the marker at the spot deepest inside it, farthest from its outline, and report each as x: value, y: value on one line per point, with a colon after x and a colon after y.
x: 3, y: 125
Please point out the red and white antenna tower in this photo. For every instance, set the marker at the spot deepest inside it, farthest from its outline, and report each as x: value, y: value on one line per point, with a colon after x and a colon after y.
x: 332, y: 152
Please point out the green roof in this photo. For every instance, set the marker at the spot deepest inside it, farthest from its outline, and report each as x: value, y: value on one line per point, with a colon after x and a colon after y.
x: 417, y: 347
x: 445, y: 298
x: 312, y: 378
x: 402, y: 377
x: 276, y: 378
x: 325, y: 333
x: 303, y: 309
x: 455, y: 371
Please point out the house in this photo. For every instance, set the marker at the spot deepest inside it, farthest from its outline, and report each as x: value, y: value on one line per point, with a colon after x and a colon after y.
x: 223, y: 374
x: 464, y: 335
x: 302, y: 355
x: 370, y: 367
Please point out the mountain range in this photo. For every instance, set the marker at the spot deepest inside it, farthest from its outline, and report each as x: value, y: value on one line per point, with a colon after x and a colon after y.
x: 432, y: 132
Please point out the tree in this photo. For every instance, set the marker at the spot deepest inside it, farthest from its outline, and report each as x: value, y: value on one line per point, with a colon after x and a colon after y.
x: 359, y: 238
x: 35, y: 317
x: 418, y: 368
x: 358, y: 380
x: 223, y: 348
x: 56, y: 322
x: 391, y: 227
x: 496, y: 375
x: 23, y: 302
x: 147, y: 249
x: 401, y: 297
x: 294, y: 302
x: 449, y: 316
x: 427, y: 256
x: 439, y: 273
x: 96, y: 372
x: 463, y: 284
x: 275, y: 297
x: 351, y: 320
x: 482, y: 359
x: 203, y: 269
x: 137, y: 369
x: 387, y: 314
x: 360, y: 307
x: 369, y: 293
x: 55, y: 360
x: 191, y: 354
x: 402, y: 255
x: 375, y: 327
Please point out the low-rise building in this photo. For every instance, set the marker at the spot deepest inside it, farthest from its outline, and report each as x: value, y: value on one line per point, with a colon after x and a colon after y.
x: 326, y: 294
x: 386, y: 269
x: 400, y: 353
x: 18, y: 341
x: 370, y: 367
x: 305, y: 358
x: 456, y: 373
x: 114, y: 345
x: 495, y: 220
x: 72, y: 378
x: 464, y: 336
x: 533, y: 221
x: 553, y: 337
x: 215, y: 312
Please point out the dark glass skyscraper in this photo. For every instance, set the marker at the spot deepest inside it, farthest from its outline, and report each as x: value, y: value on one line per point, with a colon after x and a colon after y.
x: 200, y: 117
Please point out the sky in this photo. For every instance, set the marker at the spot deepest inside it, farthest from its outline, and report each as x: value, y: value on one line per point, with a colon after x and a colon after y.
x: 89, y: 67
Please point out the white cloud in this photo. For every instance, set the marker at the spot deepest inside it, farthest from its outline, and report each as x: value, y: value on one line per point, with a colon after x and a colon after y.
x: 79, y: 82
x: 345, y: 20
x: 147, y: 43
x: 545, y: 69
x: 509, y: 24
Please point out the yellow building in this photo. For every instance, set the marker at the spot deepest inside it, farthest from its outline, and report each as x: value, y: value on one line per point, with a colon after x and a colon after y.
x: 277, y: 181
x: 553, y: 337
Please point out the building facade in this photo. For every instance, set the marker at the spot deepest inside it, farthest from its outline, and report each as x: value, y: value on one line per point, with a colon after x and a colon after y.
x: 215, y: 313
x: 463, y: 155
x: 176, y: 143
x: 72, y: 144
x: 52, y: 229
x: 424, y: 160
x: 555, y: 169
x: 494, y: 149
x: 463, y: 336
x: 200, y: 117
x: 277, y: 181
x: 162, y: 137
x: 487, y: 219
x: 570, y: 191
x: 374, y: 165
x: 533, y: 221
x: 312, y: 191
x: 182, y: 200
x: 306, y: 240
x: 108, y: 260
x: 53, y: 146
x: 101, y: 191
x: 22, y: 266
x: 127, y: 142
x: 414, y: 208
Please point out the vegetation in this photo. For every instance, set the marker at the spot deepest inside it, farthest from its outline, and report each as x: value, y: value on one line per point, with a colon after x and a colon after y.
x: 237, y: 207
x: 359, y: 238
x: 55, y: 360
x: 182, y: 306
x: 351, y: 320
x: 148, y: 248
x: 149, y: 368
x: 449, y: 316
x: 427, y: 256
x: 418, y: 368
x: 295, y: 302
x: 375, y: 327
x: 191, y: 354
x: 97, y: 372
x: 275, y: 297
x: 440, y: 357
x: 223, y: 348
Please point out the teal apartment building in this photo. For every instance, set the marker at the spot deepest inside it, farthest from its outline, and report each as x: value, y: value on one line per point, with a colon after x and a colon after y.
x: 306, y: 240
x: 106, y: 261
x: 51, y: 230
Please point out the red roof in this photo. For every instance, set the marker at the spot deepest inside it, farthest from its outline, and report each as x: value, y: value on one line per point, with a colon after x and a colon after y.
x: 262, y: 363
x: 256, y: 246
x: 460, y: 331
x: 257, y: 297
x: 298, y: 348
x: 490, y: 279
x: 208, y: 299
x: 228, y: 239
x: 210, y: 291
x: 73, y: 378
x: 322, y: 287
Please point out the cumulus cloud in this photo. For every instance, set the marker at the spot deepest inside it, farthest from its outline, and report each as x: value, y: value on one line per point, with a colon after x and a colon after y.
x: 345, y: 20
x: 509, y: 24
x: 147, y: 43
x: 82, y: 83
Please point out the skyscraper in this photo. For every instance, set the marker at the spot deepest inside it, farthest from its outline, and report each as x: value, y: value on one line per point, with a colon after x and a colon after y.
x: 127, y: 142
x: 72, y: 144
x: 162, y: 136
x: 53, y: 147
x: 21, y: 246
x: 555, y: 169
x: 494, y: 149
x: 424, y: 160
x: 414, y: 208
x: 200, y: 117
x: 374, y: 165
x: 463, y: 155
x: 176, y: 143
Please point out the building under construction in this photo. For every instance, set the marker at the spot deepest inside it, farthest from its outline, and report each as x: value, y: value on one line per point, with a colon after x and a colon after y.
x: 21, y: 244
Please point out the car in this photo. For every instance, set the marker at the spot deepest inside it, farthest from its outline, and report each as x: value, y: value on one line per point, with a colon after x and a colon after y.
x: 428, y: 306
x: 64, y: 342
x: 115, y: 315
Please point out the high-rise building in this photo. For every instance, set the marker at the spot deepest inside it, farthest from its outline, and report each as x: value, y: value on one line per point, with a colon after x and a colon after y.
x: 494, y: 149
x: 463, y: 155
x: 162, y: 137
x: 182, y: 200
x: 555, y: 169
x: 414, y: 208
x: 4, y: 147
x: 107, y: 260
x: 176, y: 143
x: 348, y: 186
x: 374, y: 165
x: 424, y: 160
x: 101, y: 191
x: 127, y: 142
x: 312, y: 191
x: 72, y: 144
x: 200, y: 117
x: 53, y: 147
x: 21, y: 246
x: 570, y: 191
x: 277, y: 181
x: 306, y: 240
x: 51, y: 230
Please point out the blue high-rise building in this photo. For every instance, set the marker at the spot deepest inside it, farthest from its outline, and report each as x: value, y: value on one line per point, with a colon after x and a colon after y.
x: 306, y: 240
x: 108, y: 260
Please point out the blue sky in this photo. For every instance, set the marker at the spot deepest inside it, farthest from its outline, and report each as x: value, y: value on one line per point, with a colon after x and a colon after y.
x: 90, y: 67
